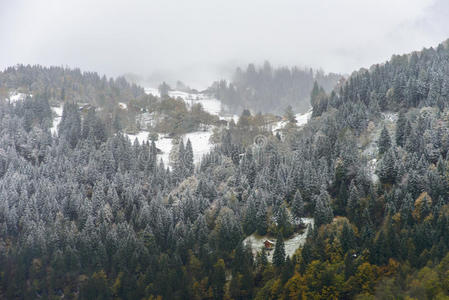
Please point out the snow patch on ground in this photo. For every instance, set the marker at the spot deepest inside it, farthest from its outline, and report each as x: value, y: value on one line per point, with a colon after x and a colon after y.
x: 210, y: 104
x: 372, y: 166
x: 56, y: 120
x: 390, y: 117
x: 16, y: 96
x: 152, y: 91
x: 163, y: 143
x: 301, y: 119
x: 229, y: 117
x: 201, y: 144
x: 291, y: 244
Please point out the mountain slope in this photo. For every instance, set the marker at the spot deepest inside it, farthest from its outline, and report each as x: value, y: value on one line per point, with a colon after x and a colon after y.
x: 88, y: 214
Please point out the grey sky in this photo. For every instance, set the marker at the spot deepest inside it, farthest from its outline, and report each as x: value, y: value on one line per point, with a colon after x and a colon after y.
x: 199, y: 40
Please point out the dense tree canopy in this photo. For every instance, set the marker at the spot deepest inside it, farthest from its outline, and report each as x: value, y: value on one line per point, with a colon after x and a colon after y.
x: 89, y: 214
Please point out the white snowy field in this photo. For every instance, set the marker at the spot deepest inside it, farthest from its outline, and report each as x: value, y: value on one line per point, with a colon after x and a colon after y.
x: 291, y: 244
x: 201, y: 144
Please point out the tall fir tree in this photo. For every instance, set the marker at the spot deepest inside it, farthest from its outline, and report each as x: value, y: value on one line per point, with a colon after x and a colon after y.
x: 297, y: 206
x: 323, y: 213
x: 279, y: 251
x: 354, y: 208
x: 384, y: 142
x: 188, y: 159
x: 401, y: 130
x: 388, y: 169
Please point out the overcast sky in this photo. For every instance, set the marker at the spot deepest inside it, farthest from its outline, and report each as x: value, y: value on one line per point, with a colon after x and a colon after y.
x: 199, y: 40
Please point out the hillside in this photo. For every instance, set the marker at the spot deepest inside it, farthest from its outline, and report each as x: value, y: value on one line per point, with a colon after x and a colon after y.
x: 62, y: 84
x: 89, y: 214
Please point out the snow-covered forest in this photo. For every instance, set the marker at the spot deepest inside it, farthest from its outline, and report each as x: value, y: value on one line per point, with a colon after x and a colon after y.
x: 102, y: 196
x: 272, y: 89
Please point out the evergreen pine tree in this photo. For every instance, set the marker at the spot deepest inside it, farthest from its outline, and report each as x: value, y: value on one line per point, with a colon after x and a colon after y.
x: 261, y: 218
x: 283, y: 221
x: 218, y: 279
x: 401, y: 128
x: 178, y: 162
x: 323, y: 212
x: 297, y: 206
x: 388, y: 170
x: 188, y: 159
x: 347, y: 239
x: 353, y: 208
x: 384, y: 142
x: 250, y: 219
x: 279, y: 251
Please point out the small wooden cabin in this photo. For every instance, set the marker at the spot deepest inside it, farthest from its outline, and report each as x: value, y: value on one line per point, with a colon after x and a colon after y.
x: 268, y: 244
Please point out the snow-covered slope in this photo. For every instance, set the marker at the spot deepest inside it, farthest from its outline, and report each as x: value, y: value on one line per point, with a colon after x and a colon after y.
x: 210, y: 104
x: 200, y: 140
x: 201, y: 144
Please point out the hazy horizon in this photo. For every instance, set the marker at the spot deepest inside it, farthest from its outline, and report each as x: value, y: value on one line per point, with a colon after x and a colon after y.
x: 201, y: 41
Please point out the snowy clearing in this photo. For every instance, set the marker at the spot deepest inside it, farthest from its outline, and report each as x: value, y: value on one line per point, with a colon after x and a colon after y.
x: 229, y: 117
x: 301, y: 119
x: 291, y: 244
x: 164, y: 144
x: 16, y: 96
x: 390, y: 117
x: 199, y: 139
x: 210, y: 104
x: 201, y: 144
x: 57, y: 119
